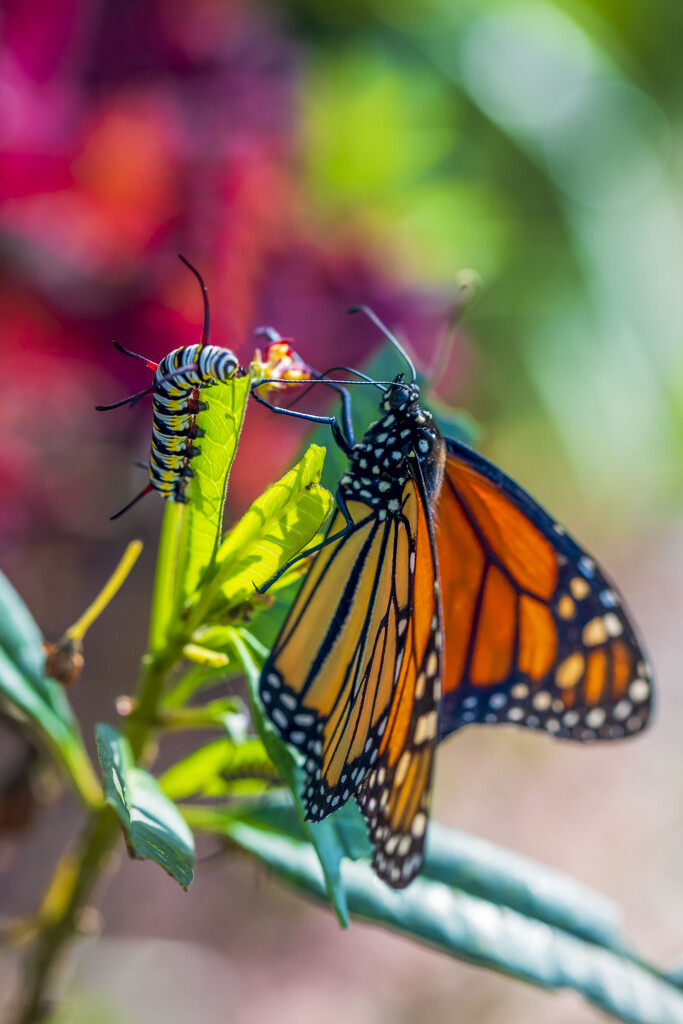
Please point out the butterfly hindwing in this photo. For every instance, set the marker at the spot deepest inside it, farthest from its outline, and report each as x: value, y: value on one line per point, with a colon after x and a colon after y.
x: 535, y: 634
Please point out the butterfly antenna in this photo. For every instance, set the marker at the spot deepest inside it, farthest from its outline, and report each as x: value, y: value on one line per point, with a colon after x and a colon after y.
x: 381, y: 384
x: 362, y: 376
x: 336, y: 385
x: 467, y: 287
x: 371, y: 315
x: 205, y: 296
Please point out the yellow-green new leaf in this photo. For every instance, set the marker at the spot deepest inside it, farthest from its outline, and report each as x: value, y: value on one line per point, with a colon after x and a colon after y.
x: 279, y: 524
x: 211, y: 770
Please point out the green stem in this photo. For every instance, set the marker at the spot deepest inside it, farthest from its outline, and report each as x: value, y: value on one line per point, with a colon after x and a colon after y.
x: 209, y: 819
x: 211, y: 715
x: 198, y: 678
x: 79, y: 870
x: 164, y: 650
x: 168, y: 581
x: 108, y: 592
x: 70, y: 889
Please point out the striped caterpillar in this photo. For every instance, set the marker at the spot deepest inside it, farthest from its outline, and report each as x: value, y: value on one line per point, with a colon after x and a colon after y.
x: 178, y: 381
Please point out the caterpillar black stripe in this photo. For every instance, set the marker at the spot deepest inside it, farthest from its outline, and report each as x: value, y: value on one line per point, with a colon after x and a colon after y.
x: 178, y: 381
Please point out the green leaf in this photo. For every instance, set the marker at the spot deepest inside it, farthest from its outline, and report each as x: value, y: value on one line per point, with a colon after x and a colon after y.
x: 222, y: 424
x: 27, y: 693
x: 480, y: 868
x: 278, y: 525
x: 320, y: 834
x: 484, y: 931
x: 21, y: 639
x: 152, y: 825
x: 209, y: 771
x: 506, y: 878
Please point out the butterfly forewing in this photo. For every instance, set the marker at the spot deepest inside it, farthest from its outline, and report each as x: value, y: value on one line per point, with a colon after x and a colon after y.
x: 535, y: 634
x: 328, y: 683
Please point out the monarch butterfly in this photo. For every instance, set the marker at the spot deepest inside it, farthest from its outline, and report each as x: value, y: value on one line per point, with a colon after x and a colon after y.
x: 443, y: 595
x: 178, y: 379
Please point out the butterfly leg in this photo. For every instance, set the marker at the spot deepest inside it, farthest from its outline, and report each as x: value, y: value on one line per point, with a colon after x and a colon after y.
x: 345, y: 397
x: 317, y: 547
x: 344, y: 442
x: 350, y: 526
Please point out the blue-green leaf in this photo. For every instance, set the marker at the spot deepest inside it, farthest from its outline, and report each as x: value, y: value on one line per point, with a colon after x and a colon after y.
x: 320, y: 834
x: 152, y: 825
x: 508, y: 879
x: 276, y: 527
x: 21, y: 639
x: 26, y: 692
x: 478, y: 930
x: 472, y: 865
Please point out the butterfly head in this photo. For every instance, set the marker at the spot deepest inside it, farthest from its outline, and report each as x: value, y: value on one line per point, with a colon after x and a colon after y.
x: 404, y: 431
x: 401, y: 397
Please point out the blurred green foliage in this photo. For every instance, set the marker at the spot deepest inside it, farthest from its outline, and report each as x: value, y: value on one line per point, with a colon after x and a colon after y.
x: 536, y: 142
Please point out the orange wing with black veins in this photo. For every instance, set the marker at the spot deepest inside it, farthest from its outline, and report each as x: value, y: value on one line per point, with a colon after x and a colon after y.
x: 535, y: 634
